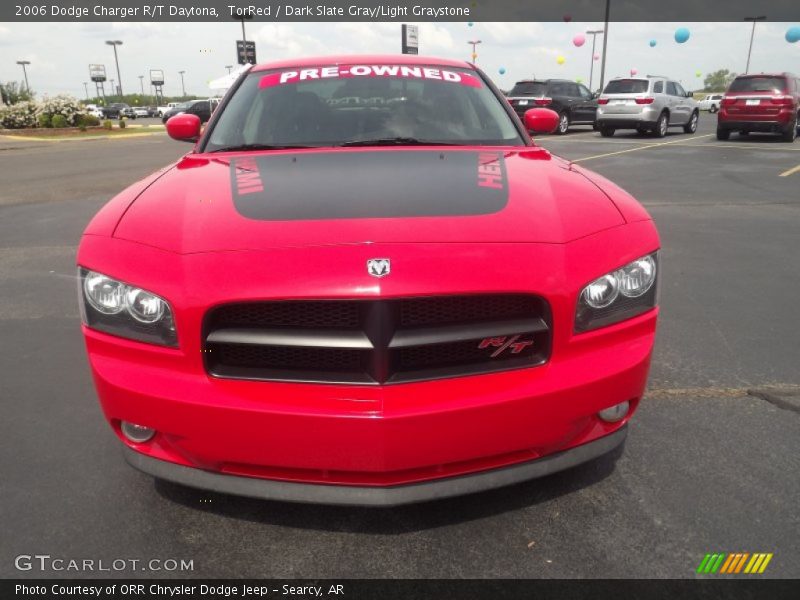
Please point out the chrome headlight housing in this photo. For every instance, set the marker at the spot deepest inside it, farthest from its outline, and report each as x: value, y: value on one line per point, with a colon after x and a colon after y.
x: 114, y: 307
x: 621, y: 294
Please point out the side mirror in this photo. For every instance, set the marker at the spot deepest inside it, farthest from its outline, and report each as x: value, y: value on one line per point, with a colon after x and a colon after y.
x: 690, y: 94
x: 541, y: 120
x: 596, y: 95
x: 184, y: 127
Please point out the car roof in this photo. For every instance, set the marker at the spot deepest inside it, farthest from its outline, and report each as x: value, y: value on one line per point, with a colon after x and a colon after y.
x: 389, y: 59
x: 541, y: 80
x: 748, y: 75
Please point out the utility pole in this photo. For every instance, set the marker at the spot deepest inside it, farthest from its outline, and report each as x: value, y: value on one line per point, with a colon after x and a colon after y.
x: 605, y: 46
x: 229, y: 67
x: 116, y: 43
x: 25, y: 72
x: 141, y: 83
x: 183, y: 87
x: 474, y: 44
x: 752, y: 35
x: 86, y: 87
x: 594, y: 33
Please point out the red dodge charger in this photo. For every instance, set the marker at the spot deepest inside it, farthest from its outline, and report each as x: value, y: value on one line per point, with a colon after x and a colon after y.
x: 366, y: 285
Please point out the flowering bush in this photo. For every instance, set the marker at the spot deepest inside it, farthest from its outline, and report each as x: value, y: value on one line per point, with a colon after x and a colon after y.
x: 19, y: 115
x: 66, y: 106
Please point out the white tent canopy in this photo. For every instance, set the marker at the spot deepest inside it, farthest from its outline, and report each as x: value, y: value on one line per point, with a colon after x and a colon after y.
x: 222, y: 84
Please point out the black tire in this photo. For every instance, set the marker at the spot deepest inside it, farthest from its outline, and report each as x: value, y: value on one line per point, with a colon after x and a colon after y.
x: 744, y: 133
x: 642, y: 130
x: 790, y: 134
x: 713, y: 109
x: 606, y: 131
x: 563, y: 124
x: 691, y: 126
x: 723, y: 134
x: 660, y: 130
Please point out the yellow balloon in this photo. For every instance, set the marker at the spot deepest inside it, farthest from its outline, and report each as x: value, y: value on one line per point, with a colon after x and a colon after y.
x: 561, y: 60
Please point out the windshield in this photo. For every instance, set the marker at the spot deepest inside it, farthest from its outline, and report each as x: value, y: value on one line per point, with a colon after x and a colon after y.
x: 529, y: 88
x: 758, y: 84
x: 627, y: 86
x: 362, y: 105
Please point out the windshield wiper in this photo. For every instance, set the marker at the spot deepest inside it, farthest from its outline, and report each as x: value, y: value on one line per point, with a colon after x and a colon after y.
x: 397, y: 141
x: 243, y: 147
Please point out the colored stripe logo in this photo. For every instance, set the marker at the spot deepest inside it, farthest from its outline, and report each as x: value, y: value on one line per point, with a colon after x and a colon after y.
x: 734, y: 563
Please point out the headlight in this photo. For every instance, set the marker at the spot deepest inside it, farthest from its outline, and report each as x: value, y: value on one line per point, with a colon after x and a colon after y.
x: 117, y: 308
x: 619, y: 295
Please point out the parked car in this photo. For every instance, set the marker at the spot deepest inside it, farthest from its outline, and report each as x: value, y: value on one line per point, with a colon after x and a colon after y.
x: 710, y: 103
x: 174, y: 110
x: 573, y: 102
x: 764, y: 102
x: 94, y: 110
x: 386, y: 300
x: 162, y: 110
x: 201, y: 108
x: 118, y: 110
x: 646, y: 104
x: 141, y: 111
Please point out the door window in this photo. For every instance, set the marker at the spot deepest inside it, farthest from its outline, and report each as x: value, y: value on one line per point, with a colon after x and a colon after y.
x: 671, y: 88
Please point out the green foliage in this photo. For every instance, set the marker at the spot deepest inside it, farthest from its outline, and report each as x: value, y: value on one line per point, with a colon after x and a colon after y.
x: 19, y: 115
x: 44, y: 121
x: 59, y: 121
x: 122, y: 124
x: 108, y: 125
x: 13, y: 92
x: 85, y: 120
x: 718, y: 81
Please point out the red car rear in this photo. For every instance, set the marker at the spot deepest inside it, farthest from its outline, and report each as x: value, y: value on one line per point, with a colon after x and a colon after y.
x: 761, y: 103
x: 366, y: 285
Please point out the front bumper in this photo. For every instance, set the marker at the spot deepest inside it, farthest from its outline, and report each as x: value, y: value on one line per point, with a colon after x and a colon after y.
x: 375, y: 496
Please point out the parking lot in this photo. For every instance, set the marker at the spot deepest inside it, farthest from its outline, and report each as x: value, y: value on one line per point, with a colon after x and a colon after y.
x: 712, y: 462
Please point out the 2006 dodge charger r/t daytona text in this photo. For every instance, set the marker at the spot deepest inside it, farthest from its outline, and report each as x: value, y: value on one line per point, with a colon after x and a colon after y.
x: 366, y: 285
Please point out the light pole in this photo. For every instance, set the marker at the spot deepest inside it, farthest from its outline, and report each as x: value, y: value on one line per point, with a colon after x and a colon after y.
x: 752, y: 35
x: 25, y: 72
x: 86, y: 88
x: 605, y: 45
x: 183, y: 87
x: 229, y: 67
x: 594, y: 33
x: 474, y: 44
x: 116, y: 43
x: 113, y: 88
x: 141, y: 83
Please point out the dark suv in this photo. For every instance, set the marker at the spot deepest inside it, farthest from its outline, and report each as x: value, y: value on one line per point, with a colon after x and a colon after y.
x: 763, y: 102
x: 572, y: 101
x: 201, y: 108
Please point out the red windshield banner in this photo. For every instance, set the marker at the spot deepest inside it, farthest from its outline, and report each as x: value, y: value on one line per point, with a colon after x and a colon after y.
x: 348, y: 71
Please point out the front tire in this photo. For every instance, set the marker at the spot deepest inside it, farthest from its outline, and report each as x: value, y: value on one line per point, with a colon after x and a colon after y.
x: 713, y: 109
x: 606, y: 131
x: 563, y: 124
x: 660, y: 130
x: 723, y: 134
x: 790, y: 134
x: 691, y: 126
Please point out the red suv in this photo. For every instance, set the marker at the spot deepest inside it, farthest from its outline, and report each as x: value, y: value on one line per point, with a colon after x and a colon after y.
x: 763, y: 102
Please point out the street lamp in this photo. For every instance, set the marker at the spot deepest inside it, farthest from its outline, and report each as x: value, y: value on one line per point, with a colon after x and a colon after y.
x: 86, y: 88
x: 25, y: 72
x: 605, y: 46
x: 141, y: 83
x: 752, y: 34
x: 183, y: 87
x: 229, y: 67
x: 594, y: 33
x: 116, y: 43
x: 474, y: 44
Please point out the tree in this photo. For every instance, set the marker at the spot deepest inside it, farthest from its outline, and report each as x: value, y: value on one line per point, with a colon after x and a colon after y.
x: 718, y: 81
x: 12, y: 92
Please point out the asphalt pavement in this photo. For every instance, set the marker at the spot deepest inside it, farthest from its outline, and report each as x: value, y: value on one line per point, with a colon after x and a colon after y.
x: 712, y: 462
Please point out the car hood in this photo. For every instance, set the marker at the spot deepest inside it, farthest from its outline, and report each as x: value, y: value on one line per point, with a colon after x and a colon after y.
x: 256, y: 201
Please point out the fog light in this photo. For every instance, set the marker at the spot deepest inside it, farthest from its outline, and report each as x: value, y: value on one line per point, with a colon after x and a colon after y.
x: 615, y: 413
x: 137, y: 433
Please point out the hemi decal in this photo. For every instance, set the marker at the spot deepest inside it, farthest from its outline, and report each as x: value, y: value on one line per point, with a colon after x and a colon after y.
x: 347, y: 71
x: 247, y: 177
x: 490, y: 170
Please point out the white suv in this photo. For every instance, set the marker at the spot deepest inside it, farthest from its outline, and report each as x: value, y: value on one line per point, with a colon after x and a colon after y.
x: 645, y: 104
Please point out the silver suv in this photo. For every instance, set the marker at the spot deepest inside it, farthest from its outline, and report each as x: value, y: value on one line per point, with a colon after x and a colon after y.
x: 645, y: 104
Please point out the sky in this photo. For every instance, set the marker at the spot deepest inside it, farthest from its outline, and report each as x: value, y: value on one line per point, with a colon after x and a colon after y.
x: 61, y: 52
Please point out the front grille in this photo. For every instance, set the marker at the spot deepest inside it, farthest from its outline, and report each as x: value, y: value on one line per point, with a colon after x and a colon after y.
x: 376, y: 342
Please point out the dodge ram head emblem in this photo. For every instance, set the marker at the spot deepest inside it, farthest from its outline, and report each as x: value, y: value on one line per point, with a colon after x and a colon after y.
x: 379, y: 267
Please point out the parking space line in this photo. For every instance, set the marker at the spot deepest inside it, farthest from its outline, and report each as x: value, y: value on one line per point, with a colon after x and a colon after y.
x: 639, y: 148
x: 791, y: 171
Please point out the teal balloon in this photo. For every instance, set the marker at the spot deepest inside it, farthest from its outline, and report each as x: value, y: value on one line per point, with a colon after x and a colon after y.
x: 793, y: 35
x: 652, y: 43
x: 682, y: 35
x: 470, y: 24
x: 502, y: 70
